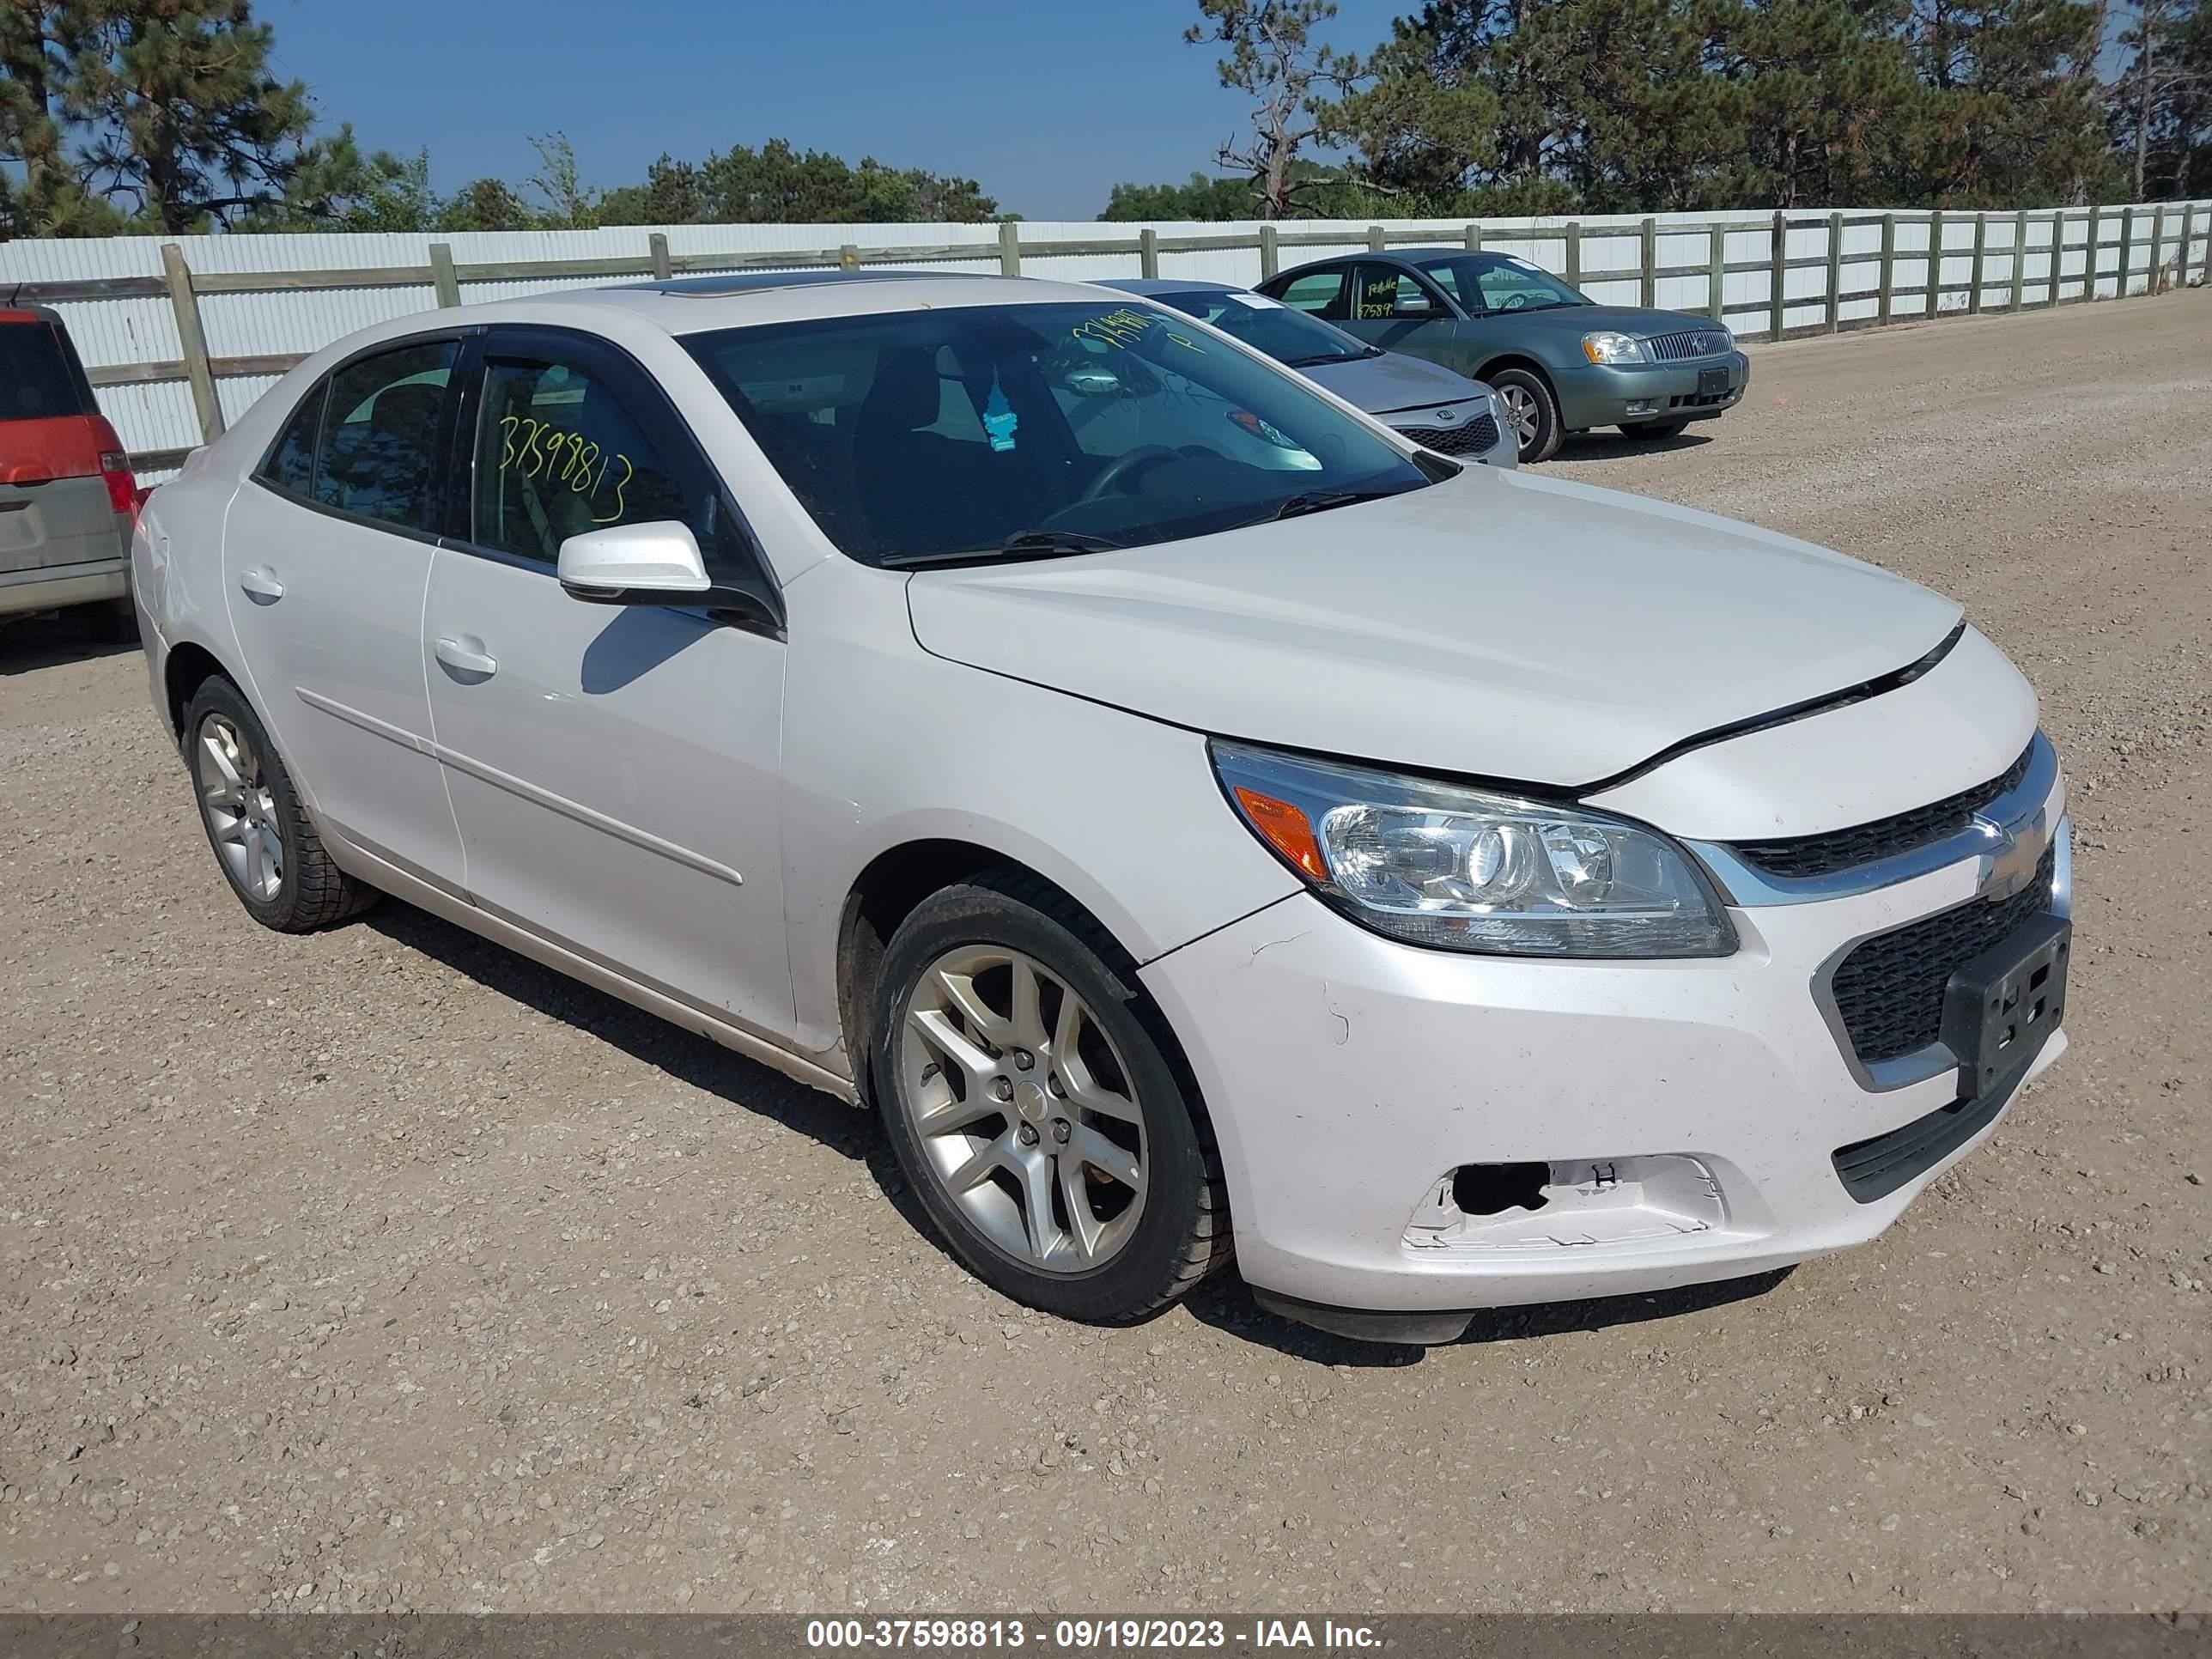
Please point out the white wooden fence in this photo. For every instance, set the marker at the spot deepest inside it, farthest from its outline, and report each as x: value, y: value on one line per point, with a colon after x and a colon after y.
x: 180, y: 337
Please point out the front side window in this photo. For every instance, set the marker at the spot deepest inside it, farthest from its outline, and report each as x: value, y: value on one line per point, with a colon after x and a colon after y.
x: 1385, y: 293
x: 378, y: 453
x: 1499, y: 282
x: 558, y: 454
x: 978, y: 431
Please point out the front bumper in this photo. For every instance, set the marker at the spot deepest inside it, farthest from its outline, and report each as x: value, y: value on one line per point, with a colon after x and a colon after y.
x: 1452, y: 429
x: 1688, y: 1113
x: 1613, y: 394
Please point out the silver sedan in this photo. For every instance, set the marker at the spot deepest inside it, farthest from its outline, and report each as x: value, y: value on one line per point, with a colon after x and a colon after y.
x: 1432, y: 406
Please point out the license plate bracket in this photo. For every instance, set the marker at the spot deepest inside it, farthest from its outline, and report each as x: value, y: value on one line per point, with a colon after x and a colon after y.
x: 1711, y: 380
x: 1999, y: 1007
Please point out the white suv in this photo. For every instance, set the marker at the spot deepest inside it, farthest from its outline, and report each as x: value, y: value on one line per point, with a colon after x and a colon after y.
x: 1184, y: 809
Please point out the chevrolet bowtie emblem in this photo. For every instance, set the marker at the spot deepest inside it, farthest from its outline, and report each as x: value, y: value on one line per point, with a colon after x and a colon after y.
x: 2012, y: 856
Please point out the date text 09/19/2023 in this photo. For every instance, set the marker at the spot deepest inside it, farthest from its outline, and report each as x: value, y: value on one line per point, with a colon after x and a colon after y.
x: 1087, y: 1634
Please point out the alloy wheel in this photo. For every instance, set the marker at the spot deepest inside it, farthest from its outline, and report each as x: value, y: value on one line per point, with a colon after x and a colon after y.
x: 241, y: 809
x: 1520, y: 409
x: 1024, y: 1108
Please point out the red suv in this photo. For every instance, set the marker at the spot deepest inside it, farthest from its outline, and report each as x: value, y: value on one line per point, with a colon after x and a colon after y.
x: 67, y: 498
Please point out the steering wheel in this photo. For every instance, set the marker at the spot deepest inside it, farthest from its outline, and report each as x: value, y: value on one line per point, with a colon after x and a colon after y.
x: 1513, y: 302
x: 1123, y: 465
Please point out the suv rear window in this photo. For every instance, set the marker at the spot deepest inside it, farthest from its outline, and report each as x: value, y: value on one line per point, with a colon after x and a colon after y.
x: 38, y: 376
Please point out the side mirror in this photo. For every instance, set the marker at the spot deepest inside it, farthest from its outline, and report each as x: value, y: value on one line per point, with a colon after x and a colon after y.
x: 656, y: 563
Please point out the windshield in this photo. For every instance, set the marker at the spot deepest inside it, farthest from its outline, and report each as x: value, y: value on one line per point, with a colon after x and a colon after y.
x: 1287, y: 336
x: 1499, y: 282
x: 1026, y: 430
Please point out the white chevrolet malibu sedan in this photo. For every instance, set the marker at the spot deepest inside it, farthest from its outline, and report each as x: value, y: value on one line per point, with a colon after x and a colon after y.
x: 1196, y: 818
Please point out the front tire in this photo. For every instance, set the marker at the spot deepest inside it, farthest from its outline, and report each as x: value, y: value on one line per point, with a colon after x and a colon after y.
x: 1039, y: 1106
x: 1531, y: 411
x: 263, y: 843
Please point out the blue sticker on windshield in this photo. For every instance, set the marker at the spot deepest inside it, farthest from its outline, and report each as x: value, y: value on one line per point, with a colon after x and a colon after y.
x: 999, y: 420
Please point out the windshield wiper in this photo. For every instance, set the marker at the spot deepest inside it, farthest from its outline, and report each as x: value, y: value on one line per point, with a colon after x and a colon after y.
x: 1319, y: 501
x: 1022, y: 545
x: 1328, y: 357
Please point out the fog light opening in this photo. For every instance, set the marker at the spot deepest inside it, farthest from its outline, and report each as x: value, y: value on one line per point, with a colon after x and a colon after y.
x: 1494, y: 1188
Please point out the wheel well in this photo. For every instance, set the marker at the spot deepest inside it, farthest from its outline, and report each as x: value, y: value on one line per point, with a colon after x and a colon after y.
x: 189, y: 667
x: 1530, y: 364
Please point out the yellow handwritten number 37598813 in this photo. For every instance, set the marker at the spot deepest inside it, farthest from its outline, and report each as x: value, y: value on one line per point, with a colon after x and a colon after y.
x: 538, y: 449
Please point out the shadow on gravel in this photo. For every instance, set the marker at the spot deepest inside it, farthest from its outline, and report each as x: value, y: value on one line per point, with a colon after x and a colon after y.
x: 43, y: 641
x: 1224, y: 1303
x: 683, y: 1054
x: 1618, y: 446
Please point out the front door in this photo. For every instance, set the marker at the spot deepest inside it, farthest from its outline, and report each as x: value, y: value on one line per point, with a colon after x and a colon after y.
x: 1396, y: 310
x: 614, y: 768
x: 325, y: 558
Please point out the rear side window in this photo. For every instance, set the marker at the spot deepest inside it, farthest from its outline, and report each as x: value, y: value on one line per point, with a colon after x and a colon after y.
x: 1321, y: 293
x: 37, y: 380
x: 291, y: 464
x: 378, y: 452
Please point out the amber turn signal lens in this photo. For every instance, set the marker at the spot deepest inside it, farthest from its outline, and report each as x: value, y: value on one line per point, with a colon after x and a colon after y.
x: 1286, y: 829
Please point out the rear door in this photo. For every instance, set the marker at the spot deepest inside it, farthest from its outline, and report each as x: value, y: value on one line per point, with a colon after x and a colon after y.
x: 614, y: 769
x: 326, y: 558
x: 56, y: 511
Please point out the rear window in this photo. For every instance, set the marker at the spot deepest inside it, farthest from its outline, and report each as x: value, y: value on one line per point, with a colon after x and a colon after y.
x: 39, y: 377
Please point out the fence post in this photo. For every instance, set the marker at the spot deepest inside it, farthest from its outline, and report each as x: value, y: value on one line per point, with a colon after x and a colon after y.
x: 1716, y: 273
x: 2095, y: 254
x: 1935, y: 263
x: 848, y: 257
x: 442, y: 275
x: 1375, y: 238
x: 2188, y: 241
x: 1888, y: 266
x: 1778, y: 271
x: 193, y: 340
x: 1010, y: 248
x: 1473, y: 237
x: 2127, y: 249
x: 1148, y: 251
x: 2019, y: 259
x: 662, y: 266
x: 1270, y: 261
x: 1835, y: 271
x: 1649, y: 239
x: 2154, y: 277
x: 1574, y: 255
x: 1981, y: 248
x: 2057, y: 256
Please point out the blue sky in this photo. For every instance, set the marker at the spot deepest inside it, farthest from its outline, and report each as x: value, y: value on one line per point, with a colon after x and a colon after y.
x: 1048, y: 104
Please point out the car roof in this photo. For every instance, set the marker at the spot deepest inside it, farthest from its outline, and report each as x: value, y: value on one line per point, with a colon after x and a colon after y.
x: 1151, y: 285
x: 693, y: 304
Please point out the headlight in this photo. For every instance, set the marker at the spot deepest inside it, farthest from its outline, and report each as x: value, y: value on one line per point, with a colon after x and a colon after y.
x: 1607, y: 347
x: 1461, y: 869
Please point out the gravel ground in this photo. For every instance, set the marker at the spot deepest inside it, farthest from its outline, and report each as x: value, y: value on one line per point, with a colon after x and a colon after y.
x: 380, y: 1268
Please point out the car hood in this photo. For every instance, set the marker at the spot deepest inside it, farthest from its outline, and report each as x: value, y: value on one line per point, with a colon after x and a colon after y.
x: 1498, y: 625
x: 1391, y: 382
x: 1579, y: 320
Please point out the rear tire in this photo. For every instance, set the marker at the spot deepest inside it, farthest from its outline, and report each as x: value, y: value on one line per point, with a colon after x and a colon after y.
x: 1655, y: 428
x: 1063, y: 1155
x: 1532, y: 410
x: 263, y: 843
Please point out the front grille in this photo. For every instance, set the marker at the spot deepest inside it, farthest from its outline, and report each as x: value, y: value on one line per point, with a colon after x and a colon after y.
x: 1477, y: 437
x: 1801, y: 856
x: 1889, y: 990
x: 1690, y: 343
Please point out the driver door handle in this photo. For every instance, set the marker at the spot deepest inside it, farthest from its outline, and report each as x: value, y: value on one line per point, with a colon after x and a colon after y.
x: 466, y: 655
x: 261, y: 584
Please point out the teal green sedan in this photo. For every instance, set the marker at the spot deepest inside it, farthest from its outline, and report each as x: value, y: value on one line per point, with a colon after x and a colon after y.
x: 1559, y: 361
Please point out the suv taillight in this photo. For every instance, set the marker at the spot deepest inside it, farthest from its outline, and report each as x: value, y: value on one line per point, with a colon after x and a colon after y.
x: 121, y: 487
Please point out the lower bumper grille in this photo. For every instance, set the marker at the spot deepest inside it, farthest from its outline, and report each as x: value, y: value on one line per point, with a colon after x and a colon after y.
x: 1889, y: 990
x: 1875, y: 1167
x: 1478, y: 437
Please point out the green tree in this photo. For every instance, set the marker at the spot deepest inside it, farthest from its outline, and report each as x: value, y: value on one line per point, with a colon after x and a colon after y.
x: 569, y: 202
x: 777, y: 184
x: 183, y: 120
x: 484, y: 205
x: 1274, y: 57
x: 335, y: 186
x: 47, y: 196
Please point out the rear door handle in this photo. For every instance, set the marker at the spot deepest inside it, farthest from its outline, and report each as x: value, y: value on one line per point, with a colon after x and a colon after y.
x: 261, y: 586
x: 466, y: 656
